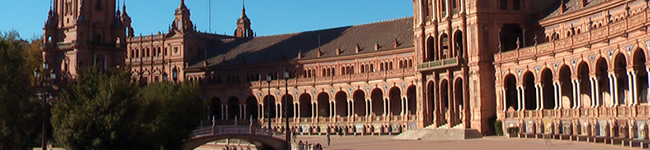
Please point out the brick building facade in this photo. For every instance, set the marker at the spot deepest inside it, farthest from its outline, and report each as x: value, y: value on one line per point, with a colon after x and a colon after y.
x: 555, y: 67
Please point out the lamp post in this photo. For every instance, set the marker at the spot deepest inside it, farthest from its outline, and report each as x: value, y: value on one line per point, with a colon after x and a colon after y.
x: 268, y: 99
x: 286, y: 108
x: 42, y: 78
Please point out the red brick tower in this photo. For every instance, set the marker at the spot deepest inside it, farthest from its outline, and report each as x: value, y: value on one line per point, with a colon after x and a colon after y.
x: 82, y: 33
x: 243, y: 25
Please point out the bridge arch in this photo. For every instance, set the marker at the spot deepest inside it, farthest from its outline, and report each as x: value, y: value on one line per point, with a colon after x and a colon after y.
x: 262, y: 138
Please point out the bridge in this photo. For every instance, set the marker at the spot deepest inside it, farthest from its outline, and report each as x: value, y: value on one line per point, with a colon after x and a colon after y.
x: 262, y: 138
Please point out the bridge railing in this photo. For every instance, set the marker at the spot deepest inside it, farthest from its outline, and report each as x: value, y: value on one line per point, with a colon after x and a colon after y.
x: 204, y: 131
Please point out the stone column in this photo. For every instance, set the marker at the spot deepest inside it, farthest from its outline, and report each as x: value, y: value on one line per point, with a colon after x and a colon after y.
x: 315, y: 110
x: 633, y: 86
x: 262, y: 113
x: 332, y: 109
x: 505, y: 107
x: 612, y: 89
x: 450, y: 101
x: 224, y: 112
x: 402, y: 107
x: 368, y: 108
x: 648, y: 74
x: 241, y: 111
x: 592, y: 83
x: 349, y: 108
x: 537, y: 96
x: 298, y: 110
x: 520, y: 100
x: 558, y: 96
x: 406, y: 106
x: 576, y: 97
x: 278, y: 110
x: 386, y: 102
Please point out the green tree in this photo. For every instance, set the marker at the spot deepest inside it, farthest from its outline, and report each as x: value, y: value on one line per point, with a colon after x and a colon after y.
x: 20, y: 119
x: 172, y: 110
x: 99, y: 111
x: 108, y: 111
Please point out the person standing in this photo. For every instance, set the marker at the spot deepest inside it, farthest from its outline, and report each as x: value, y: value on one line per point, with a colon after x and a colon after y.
x: 328, y: 139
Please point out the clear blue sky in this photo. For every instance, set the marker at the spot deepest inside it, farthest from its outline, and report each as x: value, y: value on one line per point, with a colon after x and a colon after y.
x: 268, y: 17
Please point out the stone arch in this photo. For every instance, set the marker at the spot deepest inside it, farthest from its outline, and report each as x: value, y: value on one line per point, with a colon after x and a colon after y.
x: 215, y: 108
x: 444, y: 51
x: 341, y: 102
x: 510, y: 86
x: 411, y: 100
x: 431, y: 97
x: 289, y: 111
x: 620, y: 73
x: 359, y: 102
x: 395, y: 100
x: 458, y: 43
x: 604, y: 95
x: 269, y: 106
x: 566, y: 87
x: 252, y: 107
x: 444, y: 100
x: 233, y: 108
x: 323, y: 103
x: 459, y: 97
x: 529, y: 91
x: 305, y: 105
x: 584, y: 95
x: 639, y: 61
x: 431, y: 49
x: 548, y: 89
x: 377, y: 101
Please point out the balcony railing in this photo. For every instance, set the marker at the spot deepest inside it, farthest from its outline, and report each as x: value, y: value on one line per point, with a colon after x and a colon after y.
x: 623, y: 111
x: 580, y: 40
x: 379, y: 75
x: 438, y: 64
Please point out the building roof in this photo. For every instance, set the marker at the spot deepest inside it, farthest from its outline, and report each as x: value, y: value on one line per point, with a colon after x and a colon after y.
x: 286, y: 47
x: 570, y: 5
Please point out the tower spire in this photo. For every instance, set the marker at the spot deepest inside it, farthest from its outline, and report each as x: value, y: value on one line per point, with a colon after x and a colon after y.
x: 243, y: 7
x: 243, y: 24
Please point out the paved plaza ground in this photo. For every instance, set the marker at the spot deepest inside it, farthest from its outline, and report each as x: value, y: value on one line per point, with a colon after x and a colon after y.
x: 486, y: 143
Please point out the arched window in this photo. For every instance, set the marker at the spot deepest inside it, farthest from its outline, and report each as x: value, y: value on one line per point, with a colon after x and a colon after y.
x: 164, y: 76
x: 175, y: 74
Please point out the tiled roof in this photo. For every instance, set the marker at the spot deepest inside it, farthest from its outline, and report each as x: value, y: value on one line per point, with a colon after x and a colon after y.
x: 285, y: 47
x: 571, y: 6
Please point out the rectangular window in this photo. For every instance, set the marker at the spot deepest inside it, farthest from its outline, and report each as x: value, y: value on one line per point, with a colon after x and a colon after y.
x: 516, y: 4
x: 443, y: 7
x: 504, y: 4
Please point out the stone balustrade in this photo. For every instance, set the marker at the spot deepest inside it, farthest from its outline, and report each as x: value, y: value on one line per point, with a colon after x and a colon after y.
x: 583, y: 39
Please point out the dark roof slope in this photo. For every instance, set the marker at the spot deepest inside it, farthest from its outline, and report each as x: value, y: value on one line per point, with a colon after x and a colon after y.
x: 571, y: 6
x: 285, y: 47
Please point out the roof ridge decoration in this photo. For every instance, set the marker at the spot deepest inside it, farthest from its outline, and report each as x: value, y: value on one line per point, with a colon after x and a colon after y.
x: 338, y: 51
x: 357, y: 48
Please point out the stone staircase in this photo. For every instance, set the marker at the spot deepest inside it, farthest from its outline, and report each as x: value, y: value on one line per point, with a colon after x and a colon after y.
x: 458, y: 132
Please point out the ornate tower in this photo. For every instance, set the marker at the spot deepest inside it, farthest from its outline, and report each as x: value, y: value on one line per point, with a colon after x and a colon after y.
x: 83, y: 33
x: 243, y: 25
x: 182, y: 21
